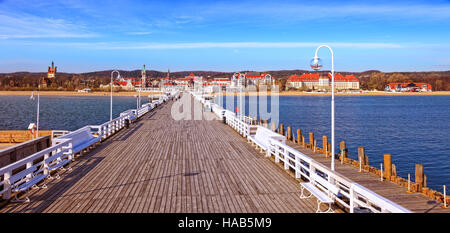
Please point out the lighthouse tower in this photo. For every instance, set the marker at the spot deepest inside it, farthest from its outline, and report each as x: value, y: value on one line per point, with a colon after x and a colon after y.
x: 143, y: 78
x: 51, y: 71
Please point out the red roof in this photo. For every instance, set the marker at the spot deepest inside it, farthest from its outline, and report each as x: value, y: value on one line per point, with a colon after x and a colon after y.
x: 222, y: 79
x: 192, y: 75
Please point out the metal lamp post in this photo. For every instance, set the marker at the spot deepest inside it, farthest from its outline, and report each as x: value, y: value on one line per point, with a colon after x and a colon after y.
x: 118, y: 75
x: 317, y: 65
x: 37, y: 113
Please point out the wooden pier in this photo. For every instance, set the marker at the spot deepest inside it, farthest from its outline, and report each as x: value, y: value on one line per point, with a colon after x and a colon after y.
x: 159, y: 165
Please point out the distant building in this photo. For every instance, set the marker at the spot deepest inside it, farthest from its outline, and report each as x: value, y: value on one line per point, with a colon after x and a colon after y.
x: 221, y: 82
x: 85, y: 90
x: 143, y: 77
x: 51, y: 71
x: 317, y: 82
x: 251, y: 79
x: 408, y: 87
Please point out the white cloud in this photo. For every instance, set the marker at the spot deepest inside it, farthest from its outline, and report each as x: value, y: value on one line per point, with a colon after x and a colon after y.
x: 204, y: 45
x: 29, y: 26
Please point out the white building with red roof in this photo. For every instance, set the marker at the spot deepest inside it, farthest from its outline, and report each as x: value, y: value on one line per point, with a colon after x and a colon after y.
x: 317, y: 82
x: 221, y: 82
x: 251, y: 78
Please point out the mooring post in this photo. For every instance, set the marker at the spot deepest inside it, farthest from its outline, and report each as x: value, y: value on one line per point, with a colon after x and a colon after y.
x: 325, y: 145
x: 381, y: 172
x: 266, y: 123
x: 299, y: 136
x: 343, y: 148
x: 394, y: 171
x: 419, y: 177
x: 289, y: 133
x: 274, y: 128
x: 388, y: 166
x: 315, y: 145
x: 303, y: 142
x: 409, y: 182
x: 282, y: 129
x: 311, y: 139
x: 364, y: 160
x: 445, y: 197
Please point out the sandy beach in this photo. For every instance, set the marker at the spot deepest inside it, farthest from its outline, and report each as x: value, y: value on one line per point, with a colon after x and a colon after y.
x: 284, y: 93
x: 74, y: 93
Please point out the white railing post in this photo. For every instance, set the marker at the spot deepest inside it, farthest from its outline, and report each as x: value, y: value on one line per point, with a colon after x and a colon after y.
x: 297, y: 167
x: 70, y: 150
x: 45, y: 163
x: 29, y: 176
x: 352, y: 199
x: 286, y: 160
x: 277, y: 154
x: 7, y: 185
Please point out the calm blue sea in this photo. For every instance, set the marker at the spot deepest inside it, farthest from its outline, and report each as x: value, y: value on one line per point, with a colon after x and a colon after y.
x: 414, y: 129
x: 61, y: 112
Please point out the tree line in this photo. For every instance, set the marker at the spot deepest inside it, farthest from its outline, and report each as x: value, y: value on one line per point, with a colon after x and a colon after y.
x: 369, y: 80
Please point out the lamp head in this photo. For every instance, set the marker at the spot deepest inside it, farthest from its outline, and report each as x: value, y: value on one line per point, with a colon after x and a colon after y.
x: 316, y: 63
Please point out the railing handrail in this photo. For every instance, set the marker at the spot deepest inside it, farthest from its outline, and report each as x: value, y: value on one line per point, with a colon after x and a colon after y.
x: 33, y: 157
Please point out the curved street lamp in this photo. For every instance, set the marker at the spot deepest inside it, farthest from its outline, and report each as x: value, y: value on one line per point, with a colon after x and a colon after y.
x: 118, y: 76
x: 316, y: 64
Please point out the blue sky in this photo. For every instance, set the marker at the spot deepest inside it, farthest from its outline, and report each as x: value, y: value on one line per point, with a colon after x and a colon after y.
x: 83, y: 36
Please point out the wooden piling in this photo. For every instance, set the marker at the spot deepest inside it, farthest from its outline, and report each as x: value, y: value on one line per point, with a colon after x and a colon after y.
x: 303, y: 142
x: 266, y: 123
x: 274, y: 127
x: 387, y: 166
x: 419, y: 177
x: 281, y: 129
x: 289, y: 133
x: 315, y: 145
x: 311, y: 139
x: 362, y: 157
x: 343, y: 148
x: 299, y: 136
x: 325, y: 145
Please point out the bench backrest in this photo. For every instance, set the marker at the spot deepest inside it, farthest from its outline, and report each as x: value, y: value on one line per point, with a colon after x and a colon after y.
x: 79, y: 136
x: 318, y: 180
x: 264, y: 135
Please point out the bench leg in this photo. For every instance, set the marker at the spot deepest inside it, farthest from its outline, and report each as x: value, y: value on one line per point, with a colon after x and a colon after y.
x: 15, y: 199
x: 302, y: 195
x: 329, y: 210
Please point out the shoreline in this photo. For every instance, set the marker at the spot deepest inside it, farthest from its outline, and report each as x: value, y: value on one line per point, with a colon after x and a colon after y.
x: 75, y: 93
x: 284, y: 93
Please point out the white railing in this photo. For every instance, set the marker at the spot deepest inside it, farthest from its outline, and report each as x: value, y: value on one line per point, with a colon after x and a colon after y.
x: 351, y: 195
x: 28, y: 167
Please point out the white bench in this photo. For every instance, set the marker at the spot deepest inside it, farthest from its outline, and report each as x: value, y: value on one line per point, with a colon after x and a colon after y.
x: 22, y: 182
x: 323, y: 190
x: 81, y: 139
x: 262, y: 137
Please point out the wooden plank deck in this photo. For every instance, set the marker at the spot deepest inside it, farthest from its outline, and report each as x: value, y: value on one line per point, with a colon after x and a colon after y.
x: 415, y: 202
x: 161, y: 165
